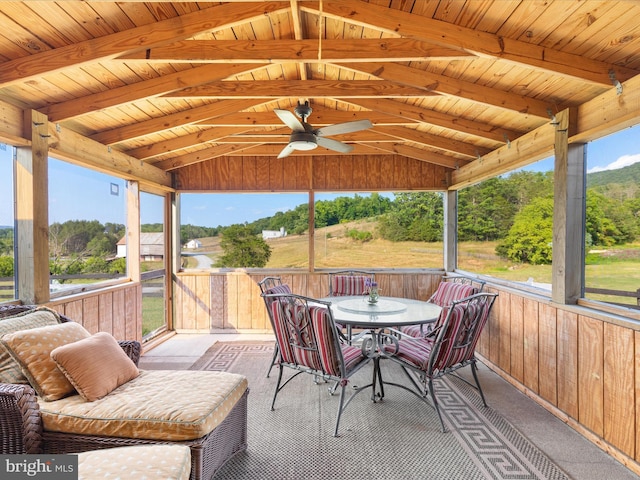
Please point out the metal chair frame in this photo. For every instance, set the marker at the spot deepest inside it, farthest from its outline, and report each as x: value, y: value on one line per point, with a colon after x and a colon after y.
x: 266, y: 284
x: 453, y: 348
x: 306, y: 345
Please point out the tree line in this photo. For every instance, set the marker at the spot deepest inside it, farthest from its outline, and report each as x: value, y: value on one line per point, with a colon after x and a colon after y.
x: 516, y: 210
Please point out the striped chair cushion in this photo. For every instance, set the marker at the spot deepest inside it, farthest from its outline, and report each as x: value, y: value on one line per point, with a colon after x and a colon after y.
x: 342, y: 285
x: 463, y: 345
x: 284, y: 288
x: 448, y: 292
x: 415, y: 352
x: 326, y: 338
x: 279, y: 327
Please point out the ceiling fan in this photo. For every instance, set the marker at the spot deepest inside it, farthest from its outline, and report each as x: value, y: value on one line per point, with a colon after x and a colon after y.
x: 305, y: 137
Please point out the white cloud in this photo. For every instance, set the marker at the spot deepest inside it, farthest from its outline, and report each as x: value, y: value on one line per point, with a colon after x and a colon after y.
x: 623, y: 161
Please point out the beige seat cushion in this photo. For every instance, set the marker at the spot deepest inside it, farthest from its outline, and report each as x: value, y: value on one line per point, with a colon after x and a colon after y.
x: 10, y: 371
x: 151, y: 462
x: 32, y: 350
x: 158, y: 405
x: 95, y: 366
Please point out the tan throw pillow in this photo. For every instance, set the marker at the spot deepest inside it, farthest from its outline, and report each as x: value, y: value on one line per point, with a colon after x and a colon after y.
x: 95, y: 366
x: 32, y: 350
x: 10, y: 371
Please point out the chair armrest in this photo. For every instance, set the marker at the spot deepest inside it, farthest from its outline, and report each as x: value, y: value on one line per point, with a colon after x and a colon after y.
x: 132, y: 349
x: 20, y: 419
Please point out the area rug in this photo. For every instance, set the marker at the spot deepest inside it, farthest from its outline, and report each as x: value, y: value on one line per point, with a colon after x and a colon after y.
x: 397, y: 438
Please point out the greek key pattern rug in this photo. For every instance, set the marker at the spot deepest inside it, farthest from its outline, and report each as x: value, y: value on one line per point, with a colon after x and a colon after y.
x: 397, y: 438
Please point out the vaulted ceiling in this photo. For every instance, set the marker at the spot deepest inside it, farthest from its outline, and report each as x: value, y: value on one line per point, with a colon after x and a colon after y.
x: 452, y: 82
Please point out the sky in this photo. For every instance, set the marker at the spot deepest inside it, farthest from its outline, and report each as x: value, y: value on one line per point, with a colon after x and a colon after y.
x: 79, y: 194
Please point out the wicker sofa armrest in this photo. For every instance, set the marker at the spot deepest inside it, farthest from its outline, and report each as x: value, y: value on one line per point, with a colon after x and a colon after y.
x: 132, y: 349
x: 21, y: 430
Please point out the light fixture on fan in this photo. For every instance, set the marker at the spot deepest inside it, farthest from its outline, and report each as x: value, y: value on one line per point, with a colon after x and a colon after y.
x: 304, y: 137
x: 302, y: 141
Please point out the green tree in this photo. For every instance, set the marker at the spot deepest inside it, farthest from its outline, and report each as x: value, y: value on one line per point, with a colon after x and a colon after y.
x: 530, y: 238
x: 415, y: 216
x: 6, y: 266
x: 242, y: 248
x: 119, y: 265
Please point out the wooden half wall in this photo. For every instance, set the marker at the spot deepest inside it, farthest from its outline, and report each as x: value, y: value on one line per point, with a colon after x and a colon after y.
x: 207, y: 302
x: 306, y: 172
x: 581, y: 365
x: 116, y: 310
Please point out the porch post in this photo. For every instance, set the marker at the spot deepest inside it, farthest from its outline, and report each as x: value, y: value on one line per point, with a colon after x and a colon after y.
x: 312, y: 231
x: 450, y: 230
x: 568, y: 212
x: 31, y: 214
x: 133, y: 230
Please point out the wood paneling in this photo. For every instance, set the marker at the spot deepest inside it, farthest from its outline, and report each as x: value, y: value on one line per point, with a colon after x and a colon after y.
x: 516, y: 347
x: 117, y: 311
x: 530, y: 343
x: 547, y: 360
x: 235, y: 303
x: 567, y: 367
x: 303, y: 173
x: 591, y: 374
x: 619, y: 388
x: 585, y: 370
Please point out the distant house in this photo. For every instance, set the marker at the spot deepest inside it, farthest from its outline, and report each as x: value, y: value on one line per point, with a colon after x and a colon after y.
x: 269, y: 234
x: 192, y: 244
x: 151, y: 246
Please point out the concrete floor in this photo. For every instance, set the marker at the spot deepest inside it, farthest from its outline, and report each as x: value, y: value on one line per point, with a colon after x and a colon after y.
x: 577, y: 456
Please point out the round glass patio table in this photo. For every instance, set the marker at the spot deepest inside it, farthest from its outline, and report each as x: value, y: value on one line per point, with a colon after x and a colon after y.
x: 356, y: 311
x: 380, y: 321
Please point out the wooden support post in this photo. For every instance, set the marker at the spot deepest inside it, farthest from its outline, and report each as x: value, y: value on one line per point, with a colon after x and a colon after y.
x: 133, y: 230
x: 312, y: 231
x: 32, y: 216
x: 450, y: 240
x: 568, y: 212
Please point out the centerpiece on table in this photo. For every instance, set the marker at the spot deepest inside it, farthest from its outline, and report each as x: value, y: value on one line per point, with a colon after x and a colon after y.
x: 373, y: 291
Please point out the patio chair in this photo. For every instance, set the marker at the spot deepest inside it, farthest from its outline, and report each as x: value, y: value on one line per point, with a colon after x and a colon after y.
x: 309, y: 343
x: 452, y: 347
x: 350, y: 282
x: 452, y: 287
x: 270, y: 285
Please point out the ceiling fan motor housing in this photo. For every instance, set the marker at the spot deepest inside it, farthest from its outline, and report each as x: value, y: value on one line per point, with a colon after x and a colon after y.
x: 303, y: 140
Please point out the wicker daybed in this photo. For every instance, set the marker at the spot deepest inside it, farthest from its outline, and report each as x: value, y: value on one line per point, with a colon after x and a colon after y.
x: 23, y: 429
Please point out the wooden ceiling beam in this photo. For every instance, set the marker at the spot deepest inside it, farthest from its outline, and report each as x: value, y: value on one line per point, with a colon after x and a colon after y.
x: 418, y: 78
x: 450, y: 122
x: 601, y: 116
x: 274, y: 150
x: 433, y: 141
x: 140, y: 90
x: 154, y: 34
x: 68, y: 145
x: 167, y: 122
x: 485, y: 44
x: 417, y: 153
x: 303, y: 50
x: 201, y: 156
x: 186, y: 141
x: 300, y: 88
x: 320, y: 117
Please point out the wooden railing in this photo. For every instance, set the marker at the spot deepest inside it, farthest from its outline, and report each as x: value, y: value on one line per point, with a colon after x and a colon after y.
x: 617, y: 293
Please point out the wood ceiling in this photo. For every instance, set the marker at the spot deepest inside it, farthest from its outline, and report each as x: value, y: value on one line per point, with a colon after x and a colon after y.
x: 452, y: 82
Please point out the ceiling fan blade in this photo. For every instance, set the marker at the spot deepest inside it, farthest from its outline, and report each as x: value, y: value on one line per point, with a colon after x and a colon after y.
x: 334, y: 145
x: 346, y: 127
x: 289, y: 119
x: 286, y: 151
